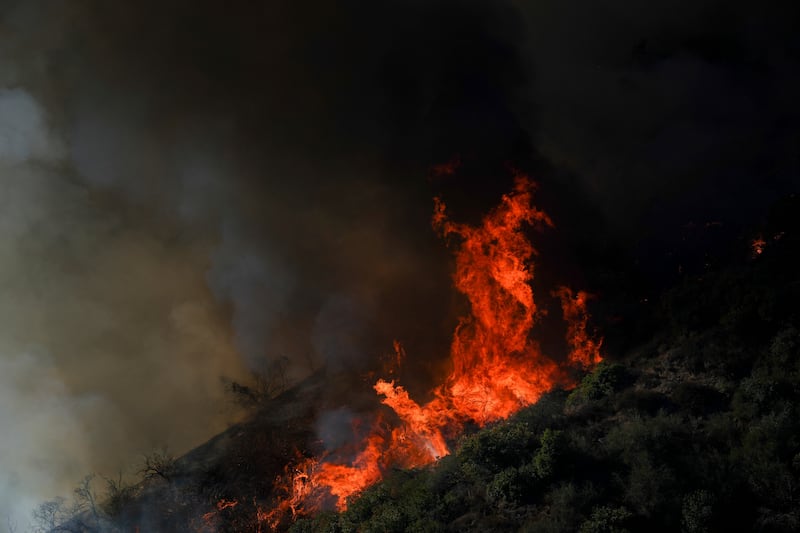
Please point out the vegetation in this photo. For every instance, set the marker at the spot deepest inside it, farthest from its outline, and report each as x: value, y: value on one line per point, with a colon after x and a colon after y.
x: 697, y: 430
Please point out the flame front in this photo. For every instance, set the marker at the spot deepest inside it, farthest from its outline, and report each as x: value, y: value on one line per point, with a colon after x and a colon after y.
x: 497, y: 368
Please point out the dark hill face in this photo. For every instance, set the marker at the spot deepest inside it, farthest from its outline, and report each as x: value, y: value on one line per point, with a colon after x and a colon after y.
x: 242, y: 464
x: 697, y: 428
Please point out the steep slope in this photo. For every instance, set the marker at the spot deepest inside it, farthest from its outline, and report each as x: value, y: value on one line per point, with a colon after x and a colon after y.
x: 697, y: 430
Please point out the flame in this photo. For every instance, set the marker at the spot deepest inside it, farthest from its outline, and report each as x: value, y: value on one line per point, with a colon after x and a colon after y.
x: 584, y: 349
x: 226, y: 504
x: 296, y: 484
x: 497, y: 368
x: 343, y: 481
x: 210, y: 519
x: 757, y: 246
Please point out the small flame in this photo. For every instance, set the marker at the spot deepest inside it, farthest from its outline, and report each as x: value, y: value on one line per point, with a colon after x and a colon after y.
x: 296, y: 483
x: 226, y: 504
x: 758, y: 245
x: 209, y: 523
x: 584, y: 349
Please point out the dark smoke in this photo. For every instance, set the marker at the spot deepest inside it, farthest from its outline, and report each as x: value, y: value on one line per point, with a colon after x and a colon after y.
x: 191, y: 188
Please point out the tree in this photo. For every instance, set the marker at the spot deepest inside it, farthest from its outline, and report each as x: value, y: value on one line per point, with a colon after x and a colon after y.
x: 118, y: 495
x: 51, y: 516
x: 159, y: 464
x: 266, y: 382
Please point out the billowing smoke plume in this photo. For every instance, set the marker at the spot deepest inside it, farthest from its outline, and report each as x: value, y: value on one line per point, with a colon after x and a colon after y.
x: 111, y: 343
x: 189, y: 189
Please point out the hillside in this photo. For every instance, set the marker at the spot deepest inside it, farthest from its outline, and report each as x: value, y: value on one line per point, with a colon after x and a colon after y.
x: 697, y: 429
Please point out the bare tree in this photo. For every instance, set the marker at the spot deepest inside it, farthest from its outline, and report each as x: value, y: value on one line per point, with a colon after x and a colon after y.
x: 265, y: 383
x: 86, y: 512
x: 82, y: 515
x: 50, y: 515
x: 118, y: 494
x: 159, y: 464
x: 86, y: 499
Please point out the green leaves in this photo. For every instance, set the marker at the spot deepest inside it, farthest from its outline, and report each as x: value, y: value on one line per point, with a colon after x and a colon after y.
x: 605, y: 380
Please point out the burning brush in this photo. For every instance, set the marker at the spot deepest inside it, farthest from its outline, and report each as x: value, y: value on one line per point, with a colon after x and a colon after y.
x: 497, y: 368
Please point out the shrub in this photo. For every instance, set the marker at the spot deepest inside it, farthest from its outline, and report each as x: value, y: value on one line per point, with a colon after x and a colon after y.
x: 508, y: 487
x: 606, y: 379
x: 564, y: 506
x: 544, y: 463
x: 697, y: 511
x: 648, y: 487
x: 507, y: 444
x: 606, y: 519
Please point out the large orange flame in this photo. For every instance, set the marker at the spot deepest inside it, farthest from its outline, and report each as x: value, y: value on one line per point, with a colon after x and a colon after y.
x: 497, y: 367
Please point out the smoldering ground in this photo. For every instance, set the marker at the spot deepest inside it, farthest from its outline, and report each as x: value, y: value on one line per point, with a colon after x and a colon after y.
x: 190, y: 188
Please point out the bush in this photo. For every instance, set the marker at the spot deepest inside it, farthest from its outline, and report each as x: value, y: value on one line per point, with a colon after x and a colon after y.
x: 606, y: 519
x: 697, y: 511
x: 119, y: 495
x: 544, y: 463
x: 564, y: 505
x: 648, y: 487
x: 325, y: 522
x: 509, y: 487
x: 507, y: 444
x: 606, y: 379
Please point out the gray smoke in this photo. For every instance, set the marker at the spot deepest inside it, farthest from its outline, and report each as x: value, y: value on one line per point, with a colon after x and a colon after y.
x: 111, y: 343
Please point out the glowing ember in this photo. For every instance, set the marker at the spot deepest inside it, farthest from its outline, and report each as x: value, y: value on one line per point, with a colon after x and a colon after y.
x: 497, y: 367
x: 446, y: 169
x: 210, y: 519
x: 226, y: 504
x: 757, y: 246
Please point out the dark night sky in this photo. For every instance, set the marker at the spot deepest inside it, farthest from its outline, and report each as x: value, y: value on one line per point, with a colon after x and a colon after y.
x: 190, y: 187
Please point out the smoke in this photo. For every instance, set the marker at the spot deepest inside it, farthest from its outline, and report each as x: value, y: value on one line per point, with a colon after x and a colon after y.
x: 38, y: 417
x: 189, y: 190
x: 668, y: 113
x: 110, y: 341
x: 174, y: 214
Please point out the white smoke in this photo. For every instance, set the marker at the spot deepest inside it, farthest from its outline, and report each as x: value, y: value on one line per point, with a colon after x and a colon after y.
x: 111, y: 344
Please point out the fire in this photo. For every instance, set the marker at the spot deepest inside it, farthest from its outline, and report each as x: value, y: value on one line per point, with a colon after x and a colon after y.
x: 226, y: 504
x: 296, y: 483
x: 343, y: 481
x: 497, y: 368
x: 757, y: 245
x: 210, y: 519
x: 584, y: 349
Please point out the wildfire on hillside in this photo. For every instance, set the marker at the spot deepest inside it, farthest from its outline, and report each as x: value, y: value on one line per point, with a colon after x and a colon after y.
x: 497, y: 367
